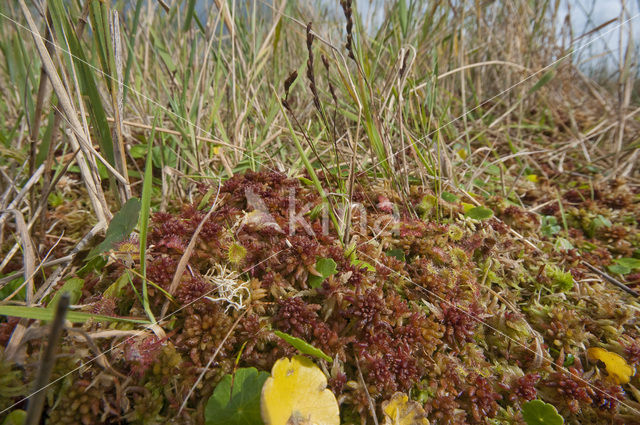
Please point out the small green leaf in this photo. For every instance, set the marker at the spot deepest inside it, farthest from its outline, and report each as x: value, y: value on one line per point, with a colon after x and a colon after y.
x: 479, y: 213
x: 46, y: 314
x: 113, y: 291
x: 350, y: 251
x: 17, y: 417
x: 493, y: 169
x: 315, y: 212
x: 630, y: 263
x: 326, y: 267
x: 207, y: 196
x: 121, y: 226
x: 10, y: 287
x: 397, y: 254
x: 537, y: 412
x: 236, y: 399
x: 303, y: 346
x: 138, y: 151
x: 73, y: 286
x: 598, y: 222
x: 563, y: 244
x: 362, y: 264
x: 619, y: 269
x: 96, y: 264
x: 602, y: 221
x: 549, y: 226
x: 569, y: 360
x: 449, y: 197
x: 166, y: 57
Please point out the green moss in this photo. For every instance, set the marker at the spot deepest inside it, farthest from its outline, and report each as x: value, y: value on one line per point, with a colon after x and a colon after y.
x: 560, y: 279
x: 455, y: 233
x: 11, y: 385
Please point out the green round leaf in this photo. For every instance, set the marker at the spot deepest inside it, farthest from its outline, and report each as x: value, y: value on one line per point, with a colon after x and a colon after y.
x: 397, y: 254
x: 16, y: 417
x: 138, y: 151
x: 619, y: 269
x: 326, y: 267
x: 121, y: 226
x: 303, y: 346
x: 479, y: 213
x: 236, y: 399
x: 601, y: 221
x: 630, y: 263
x: 537, y: 412
x: 563, y: 244
x: 449, y: 197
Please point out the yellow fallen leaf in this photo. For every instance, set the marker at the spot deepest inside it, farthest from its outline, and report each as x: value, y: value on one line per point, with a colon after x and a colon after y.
x: 532, y: 178
x: 616, y: 366
x: 216, y: 150
x: 296, y: 393
x: 462, y: 153
x: 400, y: 411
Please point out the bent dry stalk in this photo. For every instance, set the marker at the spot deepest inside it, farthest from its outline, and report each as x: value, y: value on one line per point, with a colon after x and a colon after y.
x: 36, y: 401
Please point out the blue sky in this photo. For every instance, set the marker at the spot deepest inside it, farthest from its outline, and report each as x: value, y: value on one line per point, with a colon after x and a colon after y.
x: 589, y: 14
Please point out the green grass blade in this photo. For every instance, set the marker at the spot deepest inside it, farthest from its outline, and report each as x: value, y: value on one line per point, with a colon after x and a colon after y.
x: 189, y: 16
x: 129, y: 40
x: 86, y: 76
x: 312, y: 173
x: 46, y: 314
x: 143, y: 224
